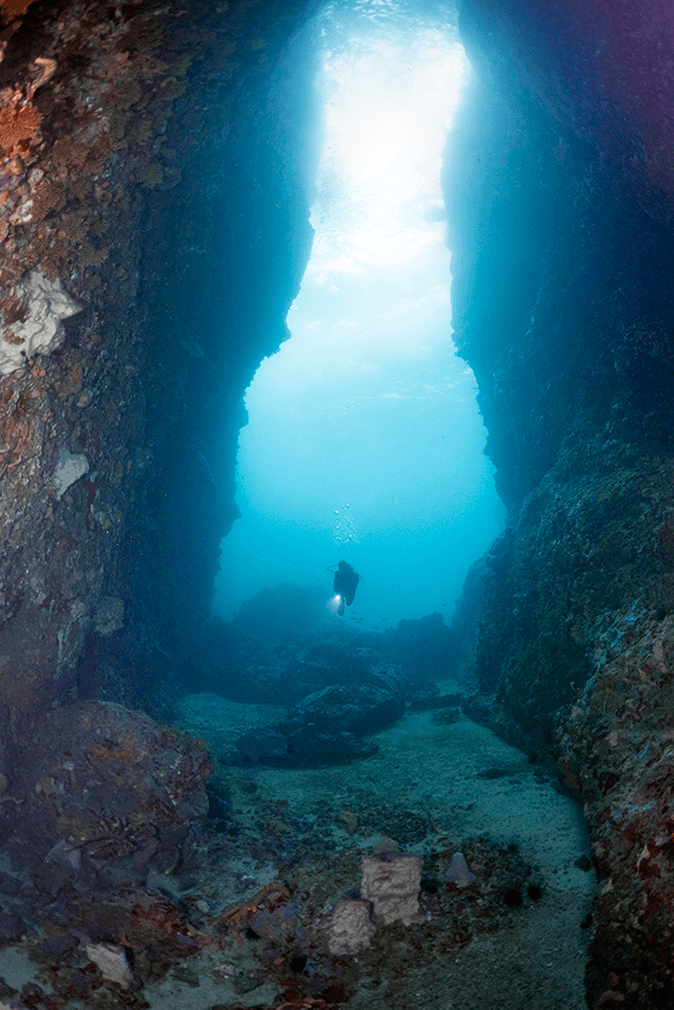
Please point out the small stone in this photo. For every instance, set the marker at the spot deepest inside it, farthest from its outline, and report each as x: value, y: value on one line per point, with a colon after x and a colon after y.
x: 109, y: 615
x: 392, y: 882
x: 350, y: 820
x: 11, y: 928
x: 459, y: 873
x: 111, y: 962
x: 350, y: 927
x: 70, y: 858
x: 386, y: 845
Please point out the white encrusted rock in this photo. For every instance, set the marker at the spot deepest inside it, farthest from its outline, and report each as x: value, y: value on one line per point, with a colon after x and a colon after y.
x: 69, y: 469
x: 111, y: 962
x: 109, y: 616
x: 392, y: 882
x: 39, y: 331
x: 65, y: 855
x: 349, y: 927
x: 459, y: 872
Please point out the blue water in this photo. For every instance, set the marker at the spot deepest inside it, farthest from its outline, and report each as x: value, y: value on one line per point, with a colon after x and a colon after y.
x: 364, y: 440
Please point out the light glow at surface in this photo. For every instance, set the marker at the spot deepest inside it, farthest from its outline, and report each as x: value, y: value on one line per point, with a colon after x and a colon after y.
x: 364, y: 441
x: 388, y: 113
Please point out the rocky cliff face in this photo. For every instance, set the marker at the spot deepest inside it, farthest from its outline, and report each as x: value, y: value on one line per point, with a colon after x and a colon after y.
x: 154, y: 221
x: 561, y: 196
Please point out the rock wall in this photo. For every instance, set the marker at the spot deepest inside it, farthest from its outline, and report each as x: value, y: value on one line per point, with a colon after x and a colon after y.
x: 146, y: 174
x: 154, y: 221
x: 560, y: 190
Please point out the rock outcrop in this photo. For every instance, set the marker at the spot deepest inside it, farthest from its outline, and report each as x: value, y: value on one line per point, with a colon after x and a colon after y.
x: 154, y: 228
x: 106, y: 791
x: 561, y: 197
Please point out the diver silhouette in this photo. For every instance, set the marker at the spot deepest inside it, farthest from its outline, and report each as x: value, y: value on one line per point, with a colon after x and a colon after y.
x: 345, y: 585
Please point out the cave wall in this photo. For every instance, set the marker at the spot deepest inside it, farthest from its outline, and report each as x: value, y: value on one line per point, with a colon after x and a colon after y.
x: 560, y: 193
x: 154, y: 220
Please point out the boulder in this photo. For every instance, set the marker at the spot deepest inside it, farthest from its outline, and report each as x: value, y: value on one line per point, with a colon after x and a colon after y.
x: 327, y: 727
x: 103, y: 783
x: 354, y: 708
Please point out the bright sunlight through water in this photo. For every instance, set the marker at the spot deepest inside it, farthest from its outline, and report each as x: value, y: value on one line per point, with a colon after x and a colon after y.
x: 379, y: 207
x: 364, y: 439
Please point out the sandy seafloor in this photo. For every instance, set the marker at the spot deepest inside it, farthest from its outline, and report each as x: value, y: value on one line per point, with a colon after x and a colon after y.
x: 536, y: 958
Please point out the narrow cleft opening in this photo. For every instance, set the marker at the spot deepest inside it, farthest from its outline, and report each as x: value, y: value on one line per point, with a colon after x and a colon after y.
x: 364, y: 440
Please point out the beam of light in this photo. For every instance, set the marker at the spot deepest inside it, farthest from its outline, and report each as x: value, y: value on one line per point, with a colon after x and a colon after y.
x: 367, y: 403
x: 389, y: 108
x: 334, y: 604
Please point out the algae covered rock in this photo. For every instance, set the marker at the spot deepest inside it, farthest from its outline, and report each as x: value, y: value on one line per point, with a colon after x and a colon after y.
x: 352, y: 708
x: 326, y: 727
x: 106, y: 783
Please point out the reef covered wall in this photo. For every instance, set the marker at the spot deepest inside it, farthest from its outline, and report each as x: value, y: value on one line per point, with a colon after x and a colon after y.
x: 154, y: 222
x: 560, y: 191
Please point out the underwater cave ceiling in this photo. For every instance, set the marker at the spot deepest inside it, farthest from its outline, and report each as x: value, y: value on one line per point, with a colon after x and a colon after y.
x: 154, y: 223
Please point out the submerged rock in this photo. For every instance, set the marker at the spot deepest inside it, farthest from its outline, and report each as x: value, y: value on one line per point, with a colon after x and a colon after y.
x: 305, y: 747
x: 349, y: 927
x: 111, y: 962
x: 392, y: 882
x: 357, y: 708
x: 327, y: 727
x: 459, y: 872
x: 35, y: 326
x: 262, y: 744
x: 105, y: 784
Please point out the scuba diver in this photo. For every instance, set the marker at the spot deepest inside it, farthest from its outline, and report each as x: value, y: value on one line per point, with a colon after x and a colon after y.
x: 345, y: 585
